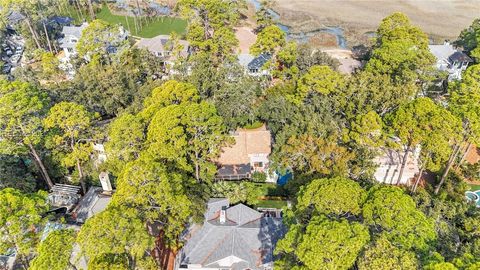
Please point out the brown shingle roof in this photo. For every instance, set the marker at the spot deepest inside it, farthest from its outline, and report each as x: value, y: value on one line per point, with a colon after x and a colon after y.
x: 247, y: 142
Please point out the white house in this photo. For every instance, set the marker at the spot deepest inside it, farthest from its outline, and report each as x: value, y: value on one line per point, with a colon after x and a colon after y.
x: 450, y: 60
x: 254, y: 65
x: 389, y: 163
x: 236, y: 238
x: 249, y: 154
x: 162, y: 47
x: 71, y: 36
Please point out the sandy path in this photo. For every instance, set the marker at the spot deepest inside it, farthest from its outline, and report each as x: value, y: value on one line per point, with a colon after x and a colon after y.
x: 442, y: 18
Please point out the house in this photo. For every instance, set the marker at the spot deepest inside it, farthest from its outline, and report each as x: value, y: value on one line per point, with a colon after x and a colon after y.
x: 64, y: 196
x: 70, y: 37
x: 450, y: 60
x: 389, y: 164
x: 247, y: 155
x: 254, y: 65
x: 94, y: 202
x: 162, y: 47
x: 231, y: 237
x: 72, y: 34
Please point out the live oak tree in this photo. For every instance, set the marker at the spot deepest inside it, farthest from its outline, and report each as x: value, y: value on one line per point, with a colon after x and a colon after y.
x: 367, y: 91
x: 113, y: 235
x: 111, y: 89
x: 68, y: 123
x: 263, y: 15
x: 21, y: 216
x: 315, y: 154
x: 309, y: 56
x: 22, y: 107
x: 54, y: 251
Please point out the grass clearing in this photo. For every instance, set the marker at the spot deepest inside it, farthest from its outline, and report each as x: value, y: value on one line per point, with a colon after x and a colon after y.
x: 474, y: 187
x: 271, y: 204
x: 151, y: 27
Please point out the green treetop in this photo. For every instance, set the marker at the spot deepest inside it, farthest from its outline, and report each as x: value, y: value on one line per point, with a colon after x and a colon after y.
x: 414, y: 122
x: 22, y: 107
x: 55, y: 251
x: 390, y: 210
x: 401, y: 50
x: 112, y: 235
x: 270, y: 40
x: 69, y: 123
x: 338, y: 196
x: 470, y: 39
x: 126, y: 138
x: 318, y: 79
x: 190, y: 135
x: 383, y: 255
x: 159, y: 194
x: 21, y: 216
x: 325, y: 244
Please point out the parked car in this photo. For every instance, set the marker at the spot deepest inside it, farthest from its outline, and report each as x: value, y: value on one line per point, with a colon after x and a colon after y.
x: 9, y: 52
x: 19, y: 49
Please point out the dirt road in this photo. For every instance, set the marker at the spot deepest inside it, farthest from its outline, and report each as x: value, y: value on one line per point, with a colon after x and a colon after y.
x: 439, y: 18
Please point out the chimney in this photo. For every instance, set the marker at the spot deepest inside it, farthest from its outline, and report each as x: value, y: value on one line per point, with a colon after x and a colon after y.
x: 105, y: 181
x: 223, y: 215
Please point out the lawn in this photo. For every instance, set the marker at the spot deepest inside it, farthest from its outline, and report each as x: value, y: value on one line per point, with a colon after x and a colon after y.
x: 474, y: 187
x: 271, y: 204
x: 149, y: 29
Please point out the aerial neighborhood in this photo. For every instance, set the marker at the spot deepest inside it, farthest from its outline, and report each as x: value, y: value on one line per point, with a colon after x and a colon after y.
x: 240, y: 135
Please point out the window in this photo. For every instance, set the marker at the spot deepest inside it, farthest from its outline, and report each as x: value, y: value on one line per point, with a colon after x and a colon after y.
x: 258, y: 164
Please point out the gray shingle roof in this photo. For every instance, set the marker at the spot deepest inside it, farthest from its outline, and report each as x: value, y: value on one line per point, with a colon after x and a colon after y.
x: 246, y: 240
x: 259, y: 61
x: 92, y: 203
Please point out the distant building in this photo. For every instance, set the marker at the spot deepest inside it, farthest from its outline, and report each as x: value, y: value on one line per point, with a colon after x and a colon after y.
x: 162, y: 47
x: 247, y: 155
x: 254, y: 65
x: 72, y: 34
x: 450, y: 60
x: 236, y: 238
x: 389, y: 164
x: 70, y: 37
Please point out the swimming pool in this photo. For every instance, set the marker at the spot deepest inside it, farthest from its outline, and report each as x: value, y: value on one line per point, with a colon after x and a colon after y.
x: 473, y: 196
